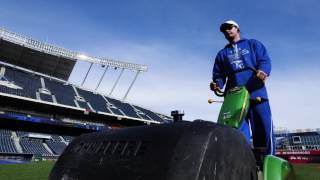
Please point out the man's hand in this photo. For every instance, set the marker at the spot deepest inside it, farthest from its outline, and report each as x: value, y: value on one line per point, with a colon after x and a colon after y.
x: 262, y: 75
x: 214, y: 87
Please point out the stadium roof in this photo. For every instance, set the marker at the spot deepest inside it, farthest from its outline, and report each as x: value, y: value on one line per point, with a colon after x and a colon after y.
x: 48, y: 59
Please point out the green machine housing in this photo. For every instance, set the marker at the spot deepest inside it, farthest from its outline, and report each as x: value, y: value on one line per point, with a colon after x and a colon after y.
x: 233, y: 111
x: 235, y: 107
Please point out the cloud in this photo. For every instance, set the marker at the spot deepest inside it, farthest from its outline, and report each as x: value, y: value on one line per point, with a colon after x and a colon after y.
x: 178, y: 79
x: 294, y: 99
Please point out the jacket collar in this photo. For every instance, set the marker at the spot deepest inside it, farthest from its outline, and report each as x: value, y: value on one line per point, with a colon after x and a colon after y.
x: 241, y: 40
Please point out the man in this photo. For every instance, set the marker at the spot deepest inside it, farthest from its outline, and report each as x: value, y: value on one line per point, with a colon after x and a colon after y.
x: 245, y: 62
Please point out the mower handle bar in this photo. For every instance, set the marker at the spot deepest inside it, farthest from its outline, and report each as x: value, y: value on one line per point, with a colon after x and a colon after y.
x: 220, y: 93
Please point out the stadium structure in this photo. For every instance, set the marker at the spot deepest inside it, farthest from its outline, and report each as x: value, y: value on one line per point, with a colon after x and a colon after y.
x: 41, y: 111
x: 299, y: 146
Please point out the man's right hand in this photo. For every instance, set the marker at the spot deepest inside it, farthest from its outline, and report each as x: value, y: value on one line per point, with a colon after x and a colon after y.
x: 214, y: 86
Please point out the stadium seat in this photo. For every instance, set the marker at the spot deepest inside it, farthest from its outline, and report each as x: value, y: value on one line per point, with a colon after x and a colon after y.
x: 66, y: 94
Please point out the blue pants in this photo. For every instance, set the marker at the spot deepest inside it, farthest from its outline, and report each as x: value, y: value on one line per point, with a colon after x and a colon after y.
x: 259, y: 117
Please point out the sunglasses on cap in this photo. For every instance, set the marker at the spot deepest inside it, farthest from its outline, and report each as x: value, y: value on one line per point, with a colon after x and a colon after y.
x: 225, y: 27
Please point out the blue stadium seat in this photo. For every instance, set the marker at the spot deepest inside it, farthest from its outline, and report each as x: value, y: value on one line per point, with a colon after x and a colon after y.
x: 33, y: 146
x: 149, y: 113
x: 96, y: 101
x: 29, y: 82
x: 7, y: 145
x: 125, y: 107
x: 83, y: 105
x: 56, y: 147
x: 63, y: 93
x: 6, y: 141
x: 5, y: 132
x: 46, y: 97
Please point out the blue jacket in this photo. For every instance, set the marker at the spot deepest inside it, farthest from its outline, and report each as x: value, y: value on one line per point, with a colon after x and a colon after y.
x: 235, y: 61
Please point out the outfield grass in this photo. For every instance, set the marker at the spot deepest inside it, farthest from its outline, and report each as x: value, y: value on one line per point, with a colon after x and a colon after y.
x: 32, y: 171
x: 307, y: 171
x: 40, y: 171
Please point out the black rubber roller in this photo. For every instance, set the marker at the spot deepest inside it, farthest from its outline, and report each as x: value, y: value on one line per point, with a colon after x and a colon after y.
x: 180, y: 151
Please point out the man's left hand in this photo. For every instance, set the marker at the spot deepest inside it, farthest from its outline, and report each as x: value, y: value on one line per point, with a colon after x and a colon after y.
x: 262, y: 75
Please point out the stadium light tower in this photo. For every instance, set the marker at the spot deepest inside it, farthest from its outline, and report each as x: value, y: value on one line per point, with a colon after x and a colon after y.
x: 135, y: 78
x: 86, y: 74
x: 115, y: 84
x: 104, y: 72
x: 116, y: 64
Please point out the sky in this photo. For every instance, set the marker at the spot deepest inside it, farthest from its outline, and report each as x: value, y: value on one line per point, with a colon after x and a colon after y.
x: 178, y: 40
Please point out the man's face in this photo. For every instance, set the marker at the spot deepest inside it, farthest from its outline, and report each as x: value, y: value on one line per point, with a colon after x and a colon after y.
x: 230, y: 31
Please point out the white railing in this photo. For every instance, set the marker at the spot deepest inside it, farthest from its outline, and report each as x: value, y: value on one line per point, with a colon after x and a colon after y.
x: 287, y: 131
x: 58, y: 51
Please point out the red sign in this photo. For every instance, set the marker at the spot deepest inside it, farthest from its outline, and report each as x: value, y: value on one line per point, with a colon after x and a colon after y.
x: 301, y: 156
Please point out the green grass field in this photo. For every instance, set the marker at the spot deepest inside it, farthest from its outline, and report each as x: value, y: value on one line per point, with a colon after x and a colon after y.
x: 307, y: 171
x: 32, y: 171
x: 40, y: 171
